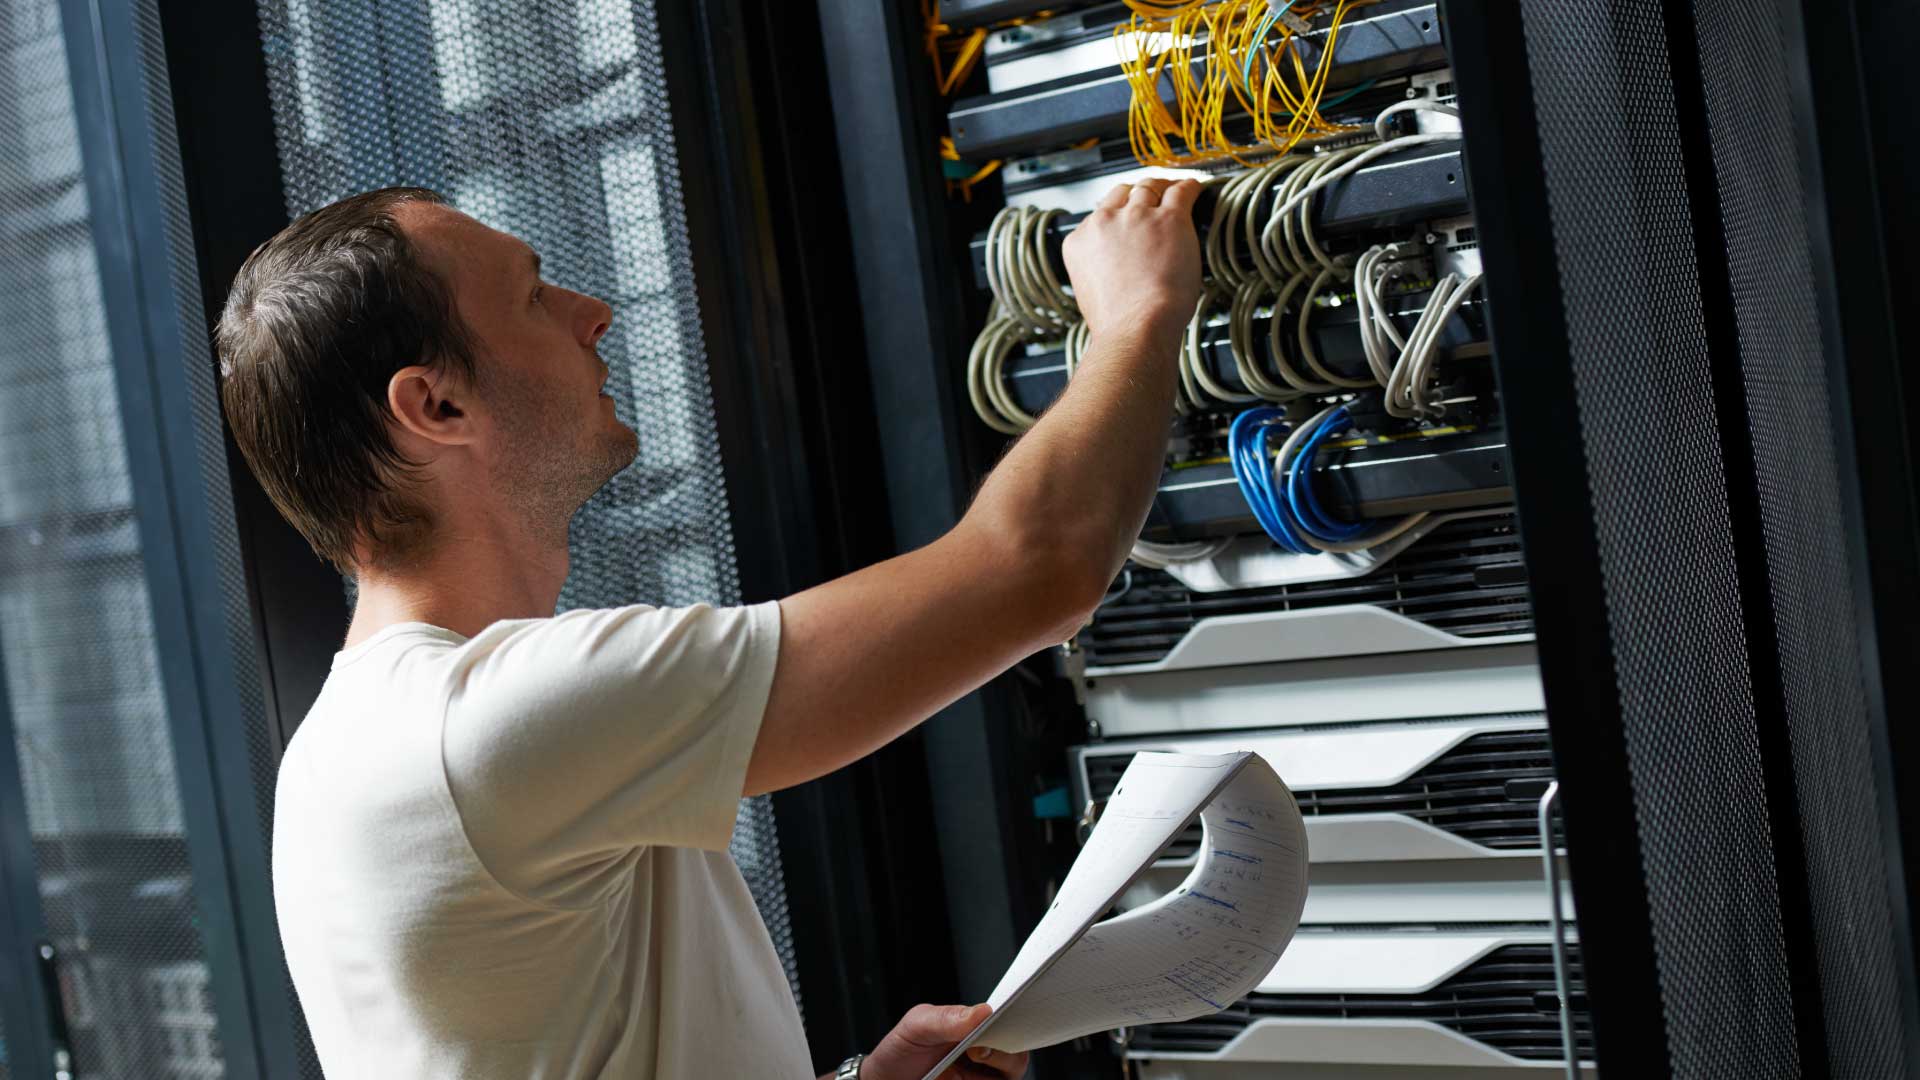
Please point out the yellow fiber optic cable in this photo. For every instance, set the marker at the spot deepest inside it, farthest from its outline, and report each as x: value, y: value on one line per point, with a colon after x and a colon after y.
x: 1252, y: 61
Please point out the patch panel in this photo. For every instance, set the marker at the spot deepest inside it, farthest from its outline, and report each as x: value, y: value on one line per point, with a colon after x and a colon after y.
x: 1088, y: 95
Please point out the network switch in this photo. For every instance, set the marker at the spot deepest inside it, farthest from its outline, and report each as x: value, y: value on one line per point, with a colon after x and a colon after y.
x: 1039, y: 373
x: 1378, y: 480
x: 1414, y: 185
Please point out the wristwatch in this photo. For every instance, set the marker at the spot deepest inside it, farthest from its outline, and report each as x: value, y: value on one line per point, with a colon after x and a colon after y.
x: 850, y: 1068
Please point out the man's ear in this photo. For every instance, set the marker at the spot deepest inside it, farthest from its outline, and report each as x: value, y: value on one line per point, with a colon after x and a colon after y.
x: 432, y: 403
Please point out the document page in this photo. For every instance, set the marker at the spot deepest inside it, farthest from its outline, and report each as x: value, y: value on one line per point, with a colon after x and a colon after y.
x: 1192, y: 952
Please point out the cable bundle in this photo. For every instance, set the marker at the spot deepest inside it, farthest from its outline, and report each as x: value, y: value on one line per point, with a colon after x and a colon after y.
x: 1020, y: 271
x: 1250, y: 263
x: 1241, y: 285
x: 1251, y: 60
x: 1281, y: 494
x: 1364, y: 156
x: 1030, y: 303
x: 1287, y: 267
x: 1247, y: 453
x: 1408, y: 374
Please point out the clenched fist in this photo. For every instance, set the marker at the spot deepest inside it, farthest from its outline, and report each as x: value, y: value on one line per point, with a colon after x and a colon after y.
x: 1135, y: 261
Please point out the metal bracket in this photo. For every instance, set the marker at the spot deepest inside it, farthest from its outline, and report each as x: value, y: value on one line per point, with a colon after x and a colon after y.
x: 1568, y: 1047
x: 58, y: 1034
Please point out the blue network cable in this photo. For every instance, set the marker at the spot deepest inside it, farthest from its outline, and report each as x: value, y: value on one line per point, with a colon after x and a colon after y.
x: 1289, y: 511
x: 1259, y: 38
x: 1252, y: 469
x: 1308, y: 516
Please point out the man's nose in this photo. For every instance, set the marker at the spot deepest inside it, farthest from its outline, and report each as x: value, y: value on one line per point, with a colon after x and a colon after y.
x: 594, y: 317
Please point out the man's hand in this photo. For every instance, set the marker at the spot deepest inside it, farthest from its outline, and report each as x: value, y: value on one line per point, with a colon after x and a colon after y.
x: 926, y: 1034
x: 1135, y: 261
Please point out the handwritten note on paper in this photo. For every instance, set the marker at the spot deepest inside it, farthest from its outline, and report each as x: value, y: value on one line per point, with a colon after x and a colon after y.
x: 1192, y: 952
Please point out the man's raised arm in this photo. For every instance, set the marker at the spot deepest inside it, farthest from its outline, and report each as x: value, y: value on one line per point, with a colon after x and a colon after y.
x: 865, y: 657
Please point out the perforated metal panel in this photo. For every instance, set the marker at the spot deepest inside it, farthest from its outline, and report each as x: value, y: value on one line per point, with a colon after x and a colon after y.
x: 549, y: 121
x: 197, y: 370
x: 1610, y: 140
x: 82, y: 669
x: 1743, y: 61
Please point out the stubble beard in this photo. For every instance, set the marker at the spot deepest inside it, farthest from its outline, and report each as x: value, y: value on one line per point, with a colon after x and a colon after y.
x: 550, y: 470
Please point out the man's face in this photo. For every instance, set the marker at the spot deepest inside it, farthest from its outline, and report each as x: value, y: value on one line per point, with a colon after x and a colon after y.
x: 554, y: 438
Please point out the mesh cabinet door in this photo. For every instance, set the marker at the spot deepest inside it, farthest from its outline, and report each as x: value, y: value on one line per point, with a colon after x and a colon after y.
x: 1687, y: 416
x: 82, y: 677
x: 550, y: 121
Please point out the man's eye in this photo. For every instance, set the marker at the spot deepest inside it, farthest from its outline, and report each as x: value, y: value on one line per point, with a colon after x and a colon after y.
x: 537, y: 290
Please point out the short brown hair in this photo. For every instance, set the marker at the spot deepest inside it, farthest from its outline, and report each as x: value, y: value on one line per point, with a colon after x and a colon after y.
x: 319, y: 319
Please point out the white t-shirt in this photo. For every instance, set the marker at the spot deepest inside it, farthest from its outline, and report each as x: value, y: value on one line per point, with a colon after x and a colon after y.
x: 506, y: 856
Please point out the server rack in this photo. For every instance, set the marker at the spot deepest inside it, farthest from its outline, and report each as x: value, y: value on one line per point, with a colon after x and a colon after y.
x: 1191, y: 657
x: 1653, y: 828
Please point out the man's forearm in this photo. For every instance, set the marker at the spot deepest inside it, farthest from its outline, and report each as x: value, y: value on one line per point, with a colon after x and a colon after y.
x: 1088, y: 471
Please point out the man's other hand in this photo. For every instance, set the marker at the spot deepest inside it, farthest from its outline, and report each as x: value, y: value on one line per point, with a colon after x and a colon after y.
x: 926, y: 1034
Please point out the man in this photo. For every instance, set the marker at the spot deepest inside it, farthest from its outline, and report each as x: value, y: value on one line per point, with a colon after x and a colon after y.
x: 500, y: 839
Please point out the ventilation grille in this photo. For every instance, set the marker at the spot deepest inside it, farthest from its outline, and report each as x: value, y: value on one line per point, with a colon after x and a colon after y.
x: 1505, y: 1000
x: 1466, y: 578
x: 1486, y: 790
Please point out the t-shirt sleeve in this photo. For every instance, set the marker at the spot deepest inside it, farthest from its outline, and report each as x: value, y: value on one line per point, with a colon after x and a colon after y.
x: 571, y: 743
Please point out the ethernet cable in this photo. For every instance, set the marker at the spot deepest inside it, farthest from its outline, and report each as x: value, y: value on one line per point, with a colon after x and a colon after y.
x: 1299, y: 506
x: 1073, y: 347
x: 1031, y: 303
x: 1155, y: 555
x: 1405, y: 374
x: 1386, y: 145
x: 1020, y: 273
x: 1247, y: 453
x: 1250, y: 284
x: 1380, y: 339
x: 1237, y: 193
x: 986, y: 375
x: 1289, y: 243
x: 1410, y: 391
x: 1197, y: 383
